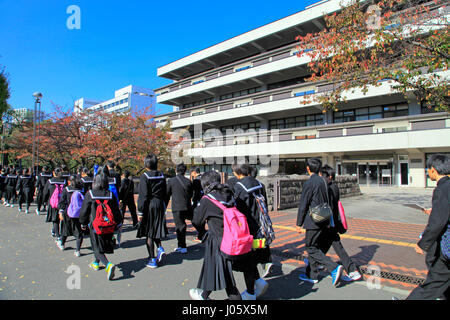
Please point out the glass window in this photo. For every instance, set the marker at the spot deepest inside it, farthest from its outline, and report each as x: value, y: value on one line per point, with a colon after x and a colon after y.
x: 375, y: 110
x: 375, y: 116
x: 362, y: 111
x: 363, y: 117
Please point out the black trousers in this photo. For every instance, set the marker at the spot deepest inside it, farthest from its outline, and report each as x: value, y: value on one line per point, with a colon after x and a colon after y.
x: 40, y: 199
x: 437, y: 283
x: 179, y: 217
x: 330, y: 239
x: 313, y: 239
x: 129, y: 202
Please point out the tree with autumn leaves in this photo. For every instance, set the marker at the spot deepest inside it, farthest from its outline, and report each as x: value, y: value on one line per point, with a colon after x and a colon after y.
x: 92, y: 137
x: 369, y: 42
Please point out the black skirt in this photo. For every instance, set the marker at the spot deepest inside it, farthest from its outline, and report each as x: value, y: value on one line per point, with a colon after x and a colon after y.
x: 71, y: 227
x: 217, y: 273
x: 101, y: 243
x: 153, y: 224
x: 52, y: 214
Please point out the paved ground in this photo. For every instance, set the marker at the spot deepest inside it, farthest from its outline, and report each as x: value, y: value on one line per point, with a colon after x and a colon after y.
x: 32, y: 267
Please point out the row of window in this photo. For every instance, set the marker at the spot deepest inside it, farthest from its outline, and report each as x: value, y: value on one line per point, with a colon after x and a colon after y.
x: 297, y: 122
x: 378, y: 112
x: 114, y: 104
x: 231, y: 95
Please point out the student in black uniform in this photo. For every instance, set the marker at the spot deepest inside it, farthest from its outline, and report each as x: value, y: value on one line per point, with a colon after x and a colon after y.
x: 126, y: 196
x: 197, y: 196
x: 86, y: 180
x: 70, y: 226
x: 54, y: 186
x: 11, y: 182
x: 180, y: 190
x: 3, y: 185
x: 19, y: 190
x: 331, y: 235
x: 246, y: 203
x: 216, y: 273
x: 41, y: 181
x: 101, y: 243
x: 151, y: 210
x: 26, y: 186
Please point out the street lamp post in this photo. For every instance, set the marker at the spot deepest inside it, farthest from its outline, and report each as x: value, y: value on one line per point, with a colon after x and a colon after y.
x: 37, y: 96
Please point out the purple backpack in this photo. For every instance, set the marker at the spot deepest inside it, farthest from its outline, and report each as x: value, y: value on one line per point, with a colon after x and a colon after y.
x: 76, y: 201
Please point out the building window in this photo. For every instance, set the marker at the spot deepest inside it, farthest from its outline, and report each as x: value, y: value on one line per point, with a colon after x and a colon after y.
x: 240, y: 93
x: 244, y: 126
x: 371, y: 113
x: 297, y: 122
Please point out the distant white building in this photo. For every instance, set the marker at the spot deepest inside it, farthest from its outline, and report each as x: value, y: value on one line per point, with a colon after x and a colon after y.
x: 24, y: 114
x: 124, y: 100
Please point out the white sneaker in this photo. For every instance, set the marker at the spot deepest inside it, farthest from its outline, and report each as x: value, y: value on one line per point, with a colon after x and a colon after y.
x: 77, y: 254
x: 20, y: 210
x: 267, y: 269
x: 37, y: 212
x: 26, y: 211
x: 247, y: 296
x: 180, y: 250
x: 352, y: 276
x: 261, y: 287
x: 196, y: 294
x: 7, y: 204
x: 60, y: 244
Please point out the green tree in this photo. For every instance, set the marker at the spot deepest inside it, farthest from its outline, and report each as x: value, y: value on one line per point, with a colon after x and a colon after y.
x: 4, y: 92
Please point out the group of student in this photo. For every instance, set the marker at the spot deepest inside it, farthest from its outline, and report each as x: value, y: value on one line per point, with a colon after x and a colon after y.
x: 95, y: 205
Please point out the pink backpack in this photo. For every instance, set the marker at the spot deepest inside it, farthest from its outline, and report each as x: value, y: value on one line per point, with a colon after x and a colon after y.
x: 236, y: 241
x: 56, y: 195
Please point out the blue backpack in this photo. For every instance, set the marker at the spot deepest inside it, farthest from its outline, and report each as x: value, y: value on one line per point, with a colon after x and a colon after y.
x: 113, y: 189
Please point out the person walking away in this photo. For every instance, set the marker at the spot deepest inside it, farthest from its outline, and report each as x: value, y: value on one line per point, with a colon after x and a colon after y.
x: 246, y: 203
x: 268, y: 266
x: 434, y: 239
x: 180, y: 190
x: 69, y: 208
x: 52, y: 194
x: 314, y: 194
x: 41, y: 181
x: 331, y: 235
x: 216, y: 273
x: 11, y: 182
x: 151, y: 210
x: 26, y: 185
x: 196, y: 197
x: 3, y: 175
x: 100, y: 214
x: 126, y: 196
x: 86, y: 180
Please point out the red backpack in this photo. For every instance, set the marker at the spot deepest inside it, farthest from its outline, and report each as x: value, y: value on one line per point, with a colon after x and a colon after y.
x: 236, y: 241
x: 104, y: 222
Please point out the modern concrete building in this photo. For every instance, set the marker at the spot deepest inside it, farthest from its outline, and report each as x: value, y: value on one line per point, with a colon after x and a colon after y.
x: 256, y: 82
x: 124, y: 100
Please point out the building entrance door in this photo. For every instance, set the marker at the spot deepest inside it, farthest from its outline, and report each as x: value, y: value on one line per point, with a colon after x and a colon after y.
x: 362, y: 174
x: 404, y: 173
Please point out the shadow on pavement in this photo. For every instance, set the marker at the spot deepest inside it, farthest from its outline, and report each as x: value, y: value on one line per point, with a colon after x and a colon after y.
x: 288, y: 286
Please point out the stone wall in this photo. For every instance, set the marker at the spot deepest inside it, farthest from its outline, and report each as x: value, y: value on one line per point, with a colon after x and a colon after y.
x: 290, y: 189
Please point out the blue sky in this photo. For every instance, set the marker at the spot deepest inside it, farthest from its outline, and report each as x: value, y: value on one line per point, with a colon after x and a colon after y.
x: 119, y: 43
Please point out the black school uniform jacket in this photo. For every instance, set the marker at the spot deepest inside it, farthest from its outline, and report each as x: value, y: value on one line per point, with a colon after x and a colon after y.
x: 89, y: 208
x: 87, y: 183
x: 126, y: 191
x: 198, y: 192
x: 314, y: 193
x: 180, y: 189
x: 11, y: 181
x: 42, y: 179
x: 439, y: 216
x: 2, y: 182
x: 26, y: 184
x: 152, y: 184
x: 246, y: 202
x: 208, y: 212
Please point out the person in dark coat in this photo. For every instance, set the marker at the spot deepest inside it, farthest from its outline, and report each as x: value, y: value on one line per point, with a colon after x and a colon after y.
x: 437, y: 283
x: 86, y: 180
x: 314, y: 193
x: 126, y: 197
x: 3, y: 175
x: 233, y: 180
x: 101, y: 243
x: 246, y: 203
x: 41, y: 181
x: 70, y: 227
x: 196, y: 197
x: 52, y: 213
x: 11, y: 183
x: 151, y: 210
x: 217, y: 272
x: 26, y: 185
x: 331, y: 235
x: 180, y: 190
